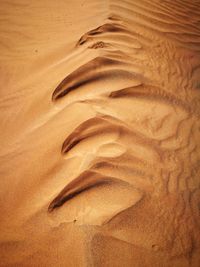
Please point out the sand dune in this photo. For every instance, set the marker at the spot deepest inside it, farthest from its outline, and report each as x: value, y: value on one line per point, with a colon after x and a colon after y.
x: 100, y: 133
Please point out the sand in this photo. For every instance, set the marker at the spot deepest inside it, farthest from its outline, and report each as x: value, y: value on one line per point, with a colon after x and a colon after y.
x: 100, y: 133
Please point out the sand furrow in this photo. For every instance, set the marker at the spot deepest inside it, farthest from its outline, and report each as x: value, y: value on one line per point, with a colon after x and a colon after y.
x: 100, y: 130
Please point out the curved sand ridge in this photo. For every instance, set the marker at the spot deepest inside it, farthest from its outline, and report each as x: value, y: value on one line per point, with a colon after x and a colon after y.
x: 106, y: 156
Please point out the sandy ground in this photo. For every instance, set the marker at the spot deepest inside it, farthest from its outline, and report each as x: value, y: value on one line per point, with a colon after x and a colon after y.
x: 100, y: 133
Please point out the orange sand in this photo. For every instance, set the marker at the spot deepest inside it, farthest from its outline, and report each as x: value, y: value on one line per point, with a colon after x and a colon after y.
x: 100, y: 133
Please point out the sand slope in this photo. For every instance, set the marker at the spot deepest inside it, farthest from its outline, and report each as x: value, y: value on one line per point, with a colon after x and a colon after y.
x: 100, y: 133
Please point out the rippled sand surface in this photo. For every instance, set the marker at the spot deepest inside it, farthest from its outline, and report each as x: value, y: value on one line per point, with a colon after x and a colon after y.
x: 100, y: 133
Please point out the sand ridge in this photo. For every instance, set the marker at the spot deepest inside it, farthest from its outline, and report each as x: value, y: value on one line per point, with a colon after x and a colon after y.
x: 100, y: 133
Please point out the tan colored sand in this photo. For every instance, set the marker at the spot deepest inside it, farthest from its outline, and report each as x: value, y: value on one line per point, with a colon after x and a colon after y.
x: 100, y: 133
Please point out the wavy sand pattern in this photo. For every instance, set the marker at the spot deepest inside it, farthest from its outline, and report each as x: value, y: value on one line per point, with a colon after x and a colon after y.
x: 100, y: 133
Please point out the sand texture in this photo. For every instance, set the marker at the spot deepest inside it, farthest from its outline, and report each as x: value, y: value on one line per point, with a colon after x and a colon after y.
x: 100, y: 133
